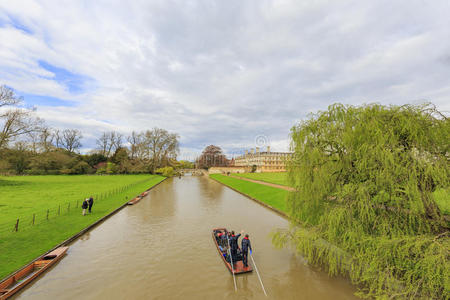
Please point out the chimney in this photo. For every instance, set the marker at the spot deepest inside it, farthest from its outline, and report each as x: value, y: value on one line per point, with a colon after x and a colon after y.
x: 257, y: 150
x: 252, y: 150
x: 268, y: 149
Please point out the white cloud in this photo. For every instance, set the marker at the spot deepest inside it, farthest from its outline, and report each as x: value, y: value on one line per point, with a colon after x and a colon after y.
x: 223, y: 72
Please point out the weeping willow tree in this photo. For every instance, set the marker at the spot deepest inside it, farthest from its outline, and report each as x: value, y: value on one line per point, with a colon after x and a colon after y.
x: 364, y: 179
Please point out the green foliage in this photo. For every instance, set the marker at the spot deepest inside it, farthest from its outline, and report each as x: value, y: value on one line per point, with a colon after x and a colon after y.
x: 120, y: 155
x: 60, y: 161
x: 48, y: 162
x: 272, y: 196
x: 184, y: 164
x: 94, y: 159
x: 442, y: 198
x: 22, y: 196
x: 365, y: 178
x: 81, y: 167
x: 108, y: 168
x: 166, y: 171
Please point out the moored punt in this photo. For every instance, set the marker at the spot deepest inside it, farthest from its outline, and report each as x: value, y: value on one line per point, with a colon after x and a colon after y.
x: 15, y: 282
x: 135, y: 200
x: 239, y: 267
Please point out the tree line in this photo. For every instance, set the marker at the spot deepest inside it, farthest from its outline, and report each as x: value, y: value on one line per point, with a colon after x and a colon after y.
x: 29, y: 146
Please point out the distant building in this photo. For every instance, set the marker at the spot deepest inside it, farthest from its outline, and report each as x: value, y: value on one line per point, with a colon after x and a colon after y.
x: 263, y: 161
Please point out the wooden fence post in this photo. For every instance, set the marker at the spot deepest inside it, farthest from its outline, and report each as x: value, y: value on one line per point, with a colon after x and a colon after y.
x: 47, y: 214
x: 17, y: 225
x: 68, y: 207
x: 59, y: 209
x: 77, y: 204
x: 33, y: 218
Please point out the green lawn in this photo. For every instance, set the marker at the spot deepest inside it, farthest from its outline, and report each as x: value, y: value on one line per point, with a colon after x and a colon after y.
x: 277, y: 178
x: 442, y: 196
x: 23, y: 196
x: 275, y: 197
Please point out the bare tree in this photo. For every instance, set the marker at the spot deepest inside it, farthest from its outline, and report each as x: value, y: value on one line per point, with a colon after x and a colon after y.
x: 46, y: 139
x: 109, y: 142
x: 8, y: 97
x: 57, y: 138
x: 161, y: 147
x: 71, y: 139
x: 102, y: 143
x: 33, y: 141
x: 116, y: 140
x: 15, y: 122
x: 136, y: 142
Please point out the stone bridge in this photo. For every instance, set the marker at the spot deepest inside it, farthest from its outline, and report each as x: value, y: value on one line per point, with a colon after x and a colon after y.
x: 193, y: 172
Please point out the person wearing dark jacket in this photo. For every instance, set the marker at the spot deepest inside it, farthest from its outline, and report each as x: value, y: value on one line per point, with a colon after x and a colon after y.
x: 245, y: 246
x: 84, y: 206
x: 234, y: 246
x: 223, y: 240
x: 90, y: 202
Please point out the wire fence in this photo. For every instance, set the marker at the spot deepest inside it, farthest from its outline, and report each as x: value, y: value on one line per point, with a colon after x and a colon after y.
x: 70, y: 208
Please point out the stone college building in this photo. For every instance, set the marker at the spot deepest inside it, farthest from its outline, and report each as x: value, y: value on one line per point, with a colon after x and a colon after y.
x: 263, y: 161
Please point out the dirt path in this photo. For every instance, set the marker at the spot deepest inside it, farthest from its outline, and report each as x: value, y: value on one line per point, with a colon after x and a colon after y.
x: 279, y: 186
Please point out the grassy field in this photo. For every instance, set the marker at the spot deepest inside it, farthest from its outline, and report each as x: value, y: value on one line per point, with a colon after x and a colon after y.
x: 23, y: 196
x: 277, y: 178
x: 275, y: 197
x: 442, y: 196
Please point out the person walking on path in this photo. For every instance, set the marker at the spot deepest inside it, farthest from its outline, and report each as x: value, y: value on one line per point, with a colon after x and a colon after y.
x: 85, y: 205
x: 90, y: 202
x: 245, y: 246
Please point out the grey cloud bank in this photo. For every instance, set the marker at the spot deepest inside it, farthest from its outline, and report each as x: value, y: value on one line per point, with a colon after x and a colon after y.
x: 223, y: 72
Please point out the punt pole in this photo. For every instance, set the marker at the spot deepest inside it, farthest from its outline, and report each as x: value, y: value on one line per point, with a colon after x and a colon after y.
x: 259, y: 277
x: 231, y: 260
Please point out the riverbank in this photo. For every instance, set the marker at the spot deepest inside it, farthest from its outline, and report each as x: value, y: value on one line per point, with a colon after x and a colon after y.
x: 272, y: 197
x: 131, y: 254
x: 30, y: 241
x: 441, y: 195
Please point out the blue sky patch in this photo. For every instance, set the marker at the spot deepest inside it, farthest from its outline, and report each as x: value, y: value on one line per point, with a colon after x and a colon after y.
x: 14, y: 22
x: 75, y: 83
x: 38, y: 100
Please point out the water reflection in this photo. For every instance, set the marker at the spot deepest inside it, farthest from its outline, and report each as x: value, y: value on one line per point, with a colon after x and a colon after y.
x: 85, y: 236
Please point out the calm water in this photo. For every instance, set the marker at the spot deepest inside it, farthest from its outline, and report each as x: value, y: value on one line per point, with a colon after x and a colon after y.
x: 162, y: 248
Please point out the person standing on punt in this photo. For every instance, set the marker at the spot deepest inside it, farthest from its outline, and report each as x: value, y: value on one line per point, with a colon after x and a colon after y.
x: 245, y: 246
x: 234, y: 245
x: 90, y: 202
x: 223, y: 239
x: 84, y: 206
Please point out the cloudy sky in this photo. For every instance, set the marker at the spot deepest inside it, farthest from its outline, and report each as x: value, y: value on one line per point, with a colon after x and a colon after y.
x: 230, y: 73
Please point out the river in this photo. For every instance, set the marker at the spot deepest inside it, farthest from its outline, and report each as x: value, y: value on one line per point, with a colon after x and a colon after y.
x: 162, y: 248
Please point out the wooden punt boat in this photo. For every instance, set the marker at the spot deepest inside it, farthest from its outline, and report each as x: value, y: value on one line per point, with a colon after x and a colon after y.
x: 138, y: 198
x: 135, y: 200
x: 239, y: 267
x: 15, y: 282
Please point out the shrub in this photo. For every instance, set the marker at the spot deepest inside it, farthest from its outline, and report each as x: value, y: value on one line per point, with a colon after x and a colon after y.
x: 166, y: 171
